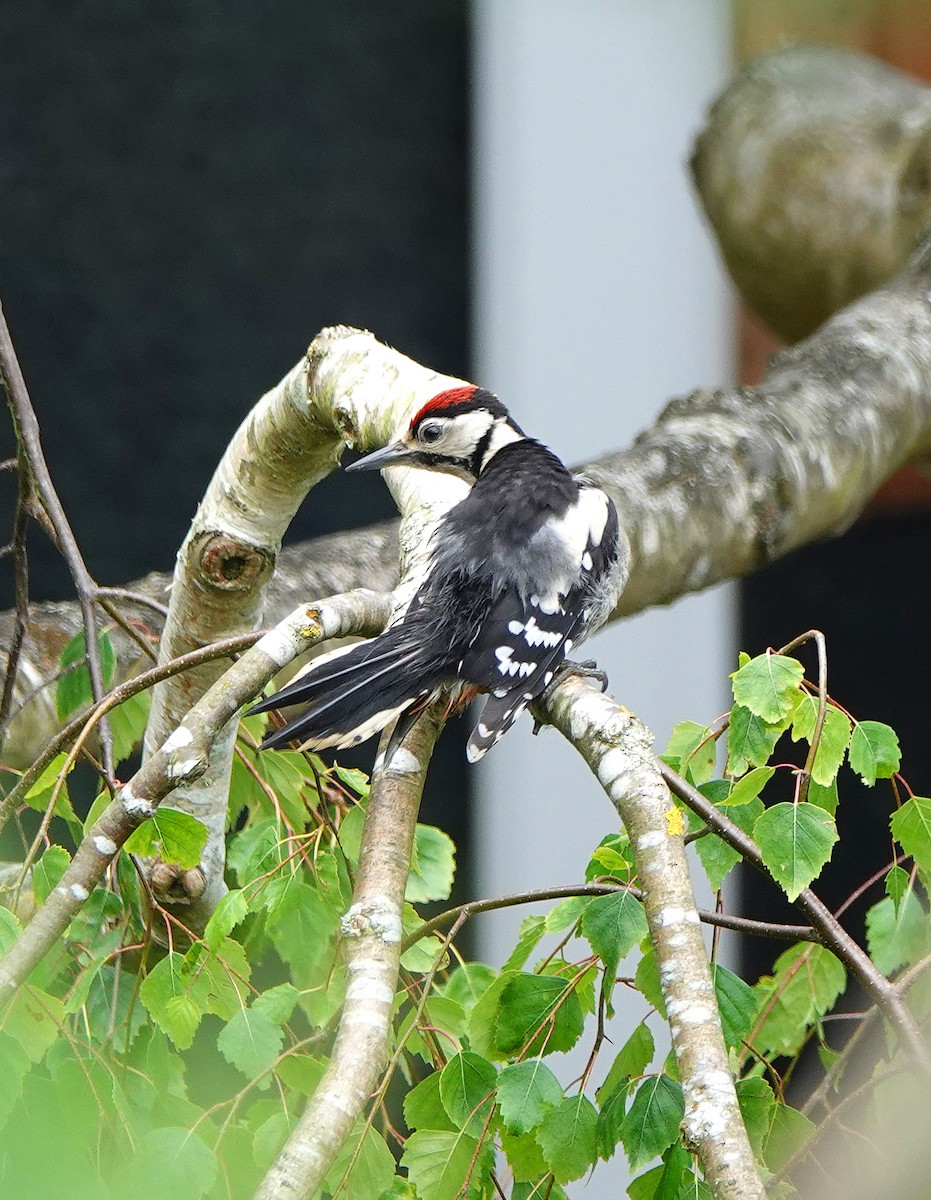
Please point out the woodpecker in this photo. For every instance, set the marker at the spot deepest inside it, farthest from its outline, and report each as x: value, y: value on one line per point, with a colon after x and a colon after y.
x: 519, y: 572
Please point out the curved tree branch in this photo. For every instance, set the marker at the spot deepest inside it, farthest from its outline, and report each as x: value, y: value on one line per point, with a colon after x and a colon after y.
x: 814, y: 169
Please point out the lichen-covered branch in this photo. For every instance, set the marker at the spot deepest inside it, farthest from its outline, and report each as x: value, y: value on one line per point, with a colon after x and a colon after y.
x: 814, y: 169
x: 372, y: 953
x: 619, y: 750
x: 720, y: 483
x: 183, y: 756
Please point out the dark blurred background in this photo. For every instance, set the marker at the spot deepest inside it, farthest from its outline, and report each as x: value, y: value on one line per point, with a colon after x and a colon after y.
x: 188, y: 192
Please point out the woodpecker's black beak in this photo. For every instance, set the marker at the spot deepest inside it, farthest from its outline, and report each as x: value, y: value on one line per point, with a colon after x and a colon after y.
x: 391, y: 456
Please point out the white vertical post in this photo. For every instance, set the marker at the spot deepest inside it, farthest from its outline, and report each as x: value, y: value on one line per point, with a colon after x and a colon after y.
x: 597, y: 296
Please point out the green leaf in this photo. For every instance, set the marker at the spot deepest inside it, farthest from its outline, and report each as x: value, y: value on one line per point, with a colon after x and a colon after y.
x: 172, y: 836
x: 278, y: 1002
x: 525, y: 1158
x: 631, y: 1061
x: 285, y: 772
x: 468, y: 983
x: 48, y: 871
x: 567, y: 912
x: 251, y: 1041
x: 372, y: 1171
x: 874, y: 751
x: 169, y: 1164
x: 481, y: 1025
x: 652, y: 1124
x: 14, y: 1066
x: 736, y: 1002
x: 835, y: 738
x: 768, y: 685
x: 568, y: 1138
x: 301, y: 1072
x: 526, y: 1092
x: 127, y: 724
x: 897, y: 881
x: 750, y: 740
x: 353, y: 778
x: 270, y: 1137
x: 823, y: 796
x: 229, y: 912
x: 73, y: 689
x: 756, y: 1100
x: 537, y: 1014
x: 612, y: 856
x: 646, y: 979
x: 10, y: 929
x: 789, y: 1130
x: 303, y: 931
x: 166, y: 993
x: 805, y: 985
x: 34, y: 1018
x: 896, y: 936
x: 438, y: 1163
x: 715, y: 855
x: 614, y: 925
x: 531, y: 930
x: 911, y: 827
x: 748, y: 788
x: 39, y: 795
x: 795, y: 841
x: 424, y: 1108
x: 467, y: 1089
x: 691, y: 750
x: 433, y: 866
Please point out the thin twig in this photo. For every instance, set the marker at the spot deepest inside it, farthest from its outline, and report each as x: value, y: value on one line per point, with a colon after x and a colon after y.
x: 21, y: 623
x: 831, y: 933
x: 767, y: 929
x: 47, y: 504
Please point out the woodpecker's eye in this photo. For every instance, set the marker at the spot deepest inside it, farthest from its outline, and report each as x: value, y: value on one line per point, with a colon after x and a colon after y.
x: 430, y: 432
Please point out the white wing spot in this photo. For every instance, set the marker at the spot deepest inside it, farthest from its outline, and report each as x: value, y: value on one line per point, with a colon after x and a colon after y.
x: 548, y: 677
x: 587, y: 561
x: 516, y: 627
x: 568, y: 646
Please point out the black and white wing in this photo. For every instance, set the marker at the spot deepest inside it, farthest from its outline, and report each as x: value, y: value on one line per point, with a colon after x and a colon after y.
x: 525, y: 639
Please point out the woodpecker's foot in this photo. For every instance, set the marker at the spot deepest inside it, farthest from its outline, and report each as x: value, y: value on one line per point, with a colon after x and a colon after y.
x: 588, y: 670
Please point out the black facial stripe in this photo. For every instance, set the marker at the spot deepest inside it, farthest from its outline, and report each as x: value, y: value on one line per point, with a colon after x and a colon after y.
x: 479, y: 452
x: 426, y: 459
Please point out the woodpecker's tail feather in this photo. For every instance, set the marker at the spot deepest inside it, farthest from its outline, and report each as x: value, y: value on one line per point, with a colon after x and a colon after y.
x: 498, y: 715
x: 353, y: 695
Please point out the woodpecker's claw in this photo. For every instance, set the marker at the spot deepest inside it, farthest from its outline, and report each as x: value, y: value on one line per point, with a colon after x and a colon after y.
x: 588, y: 670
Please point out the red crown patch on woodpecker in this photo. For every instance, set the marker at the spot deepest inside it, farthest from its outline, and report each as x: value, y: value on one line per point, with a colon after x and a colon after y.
x: 447, y: 399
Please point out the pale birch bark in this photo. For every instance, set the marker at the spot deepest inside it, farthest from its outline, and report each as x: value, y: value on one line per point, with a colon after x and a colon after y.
x: 814, y: 168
